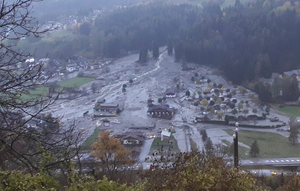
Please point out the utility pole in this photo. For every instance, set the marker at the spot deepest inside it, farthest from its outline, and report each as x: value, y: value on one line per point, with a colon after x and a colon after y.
x: 235, y: 144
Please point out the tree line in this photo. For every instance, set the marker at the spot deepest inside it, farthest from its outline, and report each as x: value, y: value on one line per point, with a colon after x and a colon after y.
x: 246, y: 41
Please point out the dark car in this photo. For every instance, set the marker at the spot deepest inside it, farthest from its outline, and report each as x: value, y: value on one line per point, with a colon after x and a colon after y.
x: 274, y: 119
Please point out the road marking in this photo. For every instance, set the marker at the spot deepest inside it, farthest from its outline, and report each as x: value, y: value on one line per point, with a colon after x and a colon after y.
x: 298, y: 160
x: 277, y: 160
x: 251, y: 162
x: 267, y: 161
x: 272, y: 161
x: 287, y: 160
x: 292, y: 160
x: 282, y: 160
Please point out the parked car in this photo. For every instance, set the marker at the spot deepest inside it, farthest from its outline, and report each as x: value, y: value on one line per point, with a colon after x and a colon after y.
x: 274, y: 119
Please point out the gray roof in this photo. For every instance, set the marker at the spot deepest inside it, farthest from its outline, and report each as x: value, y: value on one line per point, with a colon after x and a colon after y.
x: 135, y: 135
x: 161, y: 107
x: 171, y: 91
x: 293, y: 72
x: 109, y: 105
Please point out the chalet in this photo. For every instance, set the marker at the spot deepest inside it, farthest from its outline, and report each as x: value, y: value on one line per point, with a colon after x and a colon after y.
x: 109, y: 107
x: 132, y: 138
x: 165, y: 135
x: 161, y: 111
x: 217, y: 107
x: 293, y: 73
x: 215, y: 90
x: 70, y: 68
x: 170, y: 93
x: 211, y: 102
x: 150, y: 102
x: 234, y: 100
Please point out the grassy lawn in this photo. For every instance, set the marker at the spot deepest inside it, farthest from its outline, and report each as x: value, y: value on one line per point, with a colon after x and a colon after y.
x: 35, y: 93
x: 193, y: 144
x: 42, y: 90
x: 75, y: 82
x: 292, y: 111
x: 156, y: 146
x: 243, y: 151
x: 271, y: 145
x: 89, y: 141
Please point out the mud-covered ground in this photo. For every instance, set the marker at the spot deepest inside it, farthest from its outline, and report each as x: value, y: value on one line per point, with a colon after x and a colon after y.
x: 149, y: 81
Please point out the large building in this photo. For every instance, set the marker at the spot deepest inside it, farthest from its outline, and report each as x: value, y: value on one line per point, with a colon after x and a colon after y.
x: 108, y: 107
x: 161, y: 111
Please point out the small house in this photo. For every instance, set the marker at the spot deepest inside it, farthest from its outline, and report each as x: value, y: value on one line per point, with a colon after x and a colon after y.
x: 109, y: 107
x: 170, y: 93
x: 132, y: 138
x: 165, y: 135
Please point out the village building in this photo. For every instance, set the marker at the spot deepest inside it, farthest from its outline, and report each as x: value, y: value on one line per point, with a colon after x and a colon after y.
x: 132, y: 138
x: 161, y: 111
x: 165, y: 135
x: 170, y: 93
x: 109, y: 107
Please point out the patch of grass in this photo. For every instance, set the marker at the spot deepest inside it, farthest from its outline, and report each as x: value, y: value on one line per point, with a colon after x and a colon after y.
x: 75, y: 82
x: 42, y: 90
x: 271, y: 145
x: 292, y: 111
x: 157, y: 143
x: 193, y: 144
x: 89, y: 141
x: 39, y: 91
x: 243, y: 151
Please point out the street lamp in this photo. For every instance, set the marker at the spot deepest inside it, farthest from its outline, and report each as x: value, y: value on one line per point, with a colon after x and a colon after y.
x: 235, y: 144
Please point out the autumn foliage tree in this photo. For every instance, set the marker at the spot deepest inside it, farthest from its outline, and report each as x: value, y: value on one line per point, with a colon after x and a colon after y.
x: 194, y: 171
x: 111, y: 153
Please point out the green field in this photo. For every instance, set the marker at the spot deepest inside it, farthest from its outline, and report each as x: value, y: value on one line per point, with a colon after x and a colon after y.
x: 291, y: 111
x: 271, y: 145
x: 75, y: 82
x: 243, y: 151
x: 42, y: 90
x: 193, y: 144
x: 89, y: 141
x: 156, y: 146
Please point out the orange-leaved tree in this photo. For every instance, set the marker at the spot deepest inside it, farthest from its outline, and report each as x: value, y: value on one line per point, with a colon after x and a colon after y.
x: 111, y: 154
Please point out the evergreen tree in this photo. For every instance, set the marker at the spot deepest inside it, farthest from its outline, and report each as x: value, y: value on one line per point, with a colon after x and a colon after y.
x: 188, y: 93
x: 170, y: 46
x: 155, y: 50
x: 209, y: 147
x: 254, y: 151
x: 293, y: 134
x: 143, y: 57
x: 204, y: 135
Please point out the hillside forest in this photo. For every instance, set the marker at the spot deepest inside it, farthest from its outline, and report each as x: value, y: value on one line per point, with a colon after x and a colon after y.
x: 252, y: 40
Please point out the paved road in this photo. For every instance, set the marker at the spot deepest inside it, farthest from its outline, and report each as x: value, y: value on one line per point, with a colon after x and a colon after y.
x: 272, y: 162
x: 145, y: 149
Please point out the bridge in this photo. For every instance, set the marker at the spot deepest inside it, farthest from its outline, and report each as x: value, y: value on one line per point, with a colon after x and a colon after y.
x: 277, y: 162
